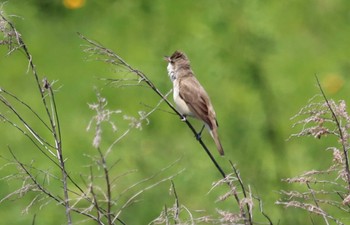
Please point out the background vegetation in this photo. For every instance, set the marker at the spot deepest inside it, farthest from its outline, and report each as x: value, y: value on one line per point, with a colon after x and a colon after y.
x: 257, y: 60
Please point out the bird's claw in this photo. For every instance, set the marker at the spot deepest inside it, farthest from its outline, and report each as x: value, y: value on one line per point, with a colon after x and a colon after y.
x: 198, y: 136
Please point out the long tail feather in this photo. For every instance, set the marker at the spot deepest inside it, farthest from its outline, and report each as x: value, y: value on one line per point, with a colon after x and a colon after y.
x: 215, y: 136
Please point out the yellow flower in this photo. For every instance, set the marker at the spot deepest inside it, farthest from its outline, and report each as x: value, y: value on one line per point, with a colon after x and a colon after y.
x: 332, y: 83
x: 73, y: 4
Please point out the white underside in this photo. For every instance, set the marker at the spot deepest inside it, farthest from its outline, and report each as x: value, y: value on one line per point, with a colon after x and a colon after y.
x: 180, y: 104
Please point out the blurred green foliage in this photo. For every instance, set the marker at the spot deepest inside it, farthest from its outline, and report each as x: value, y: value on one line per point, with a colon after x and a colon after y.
x: 257, y: 60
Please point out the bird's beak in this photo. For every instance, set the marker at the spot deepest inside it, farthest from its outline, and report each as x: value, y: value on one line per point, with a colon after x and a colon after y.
x: 167, y: 58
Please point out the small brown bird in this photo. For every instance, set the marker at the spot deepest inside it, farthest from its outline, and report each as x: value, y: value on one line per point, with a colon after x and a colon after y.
x: 190, y: 97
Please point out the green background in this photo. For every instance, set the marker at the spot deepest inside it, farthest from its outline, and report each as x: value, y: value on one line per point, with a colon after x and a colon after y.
x: 256, y: 59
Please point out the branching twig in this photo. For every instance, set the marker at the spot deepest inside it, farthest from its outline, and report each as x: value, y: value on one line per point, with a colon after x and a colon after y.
x: 249, y: 207
x: 108, y: 186
x: 177, y: 205
x: 52, y: 116
x: 95, y: 201
x: 131, y: 199
x: 316, y: 203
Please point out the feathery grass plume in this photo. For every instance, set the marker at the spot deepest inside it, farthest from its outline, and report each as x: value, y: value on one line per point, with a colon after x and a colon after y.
x: 102, y: 115
x: 323, y: 192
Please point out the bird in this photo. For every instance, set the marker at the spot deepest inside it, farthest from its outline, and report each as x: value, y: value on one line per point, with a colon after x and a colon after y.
x: 190, y: 97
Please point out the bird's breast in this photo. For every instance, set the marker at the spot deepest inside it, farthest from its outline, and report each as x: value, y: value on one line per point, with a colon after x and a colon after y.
x: 181, y: 105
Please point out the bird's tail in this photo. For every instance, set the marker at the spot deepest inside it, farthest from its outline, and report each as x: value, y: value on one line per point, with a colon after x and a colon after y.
x: 214, y: 134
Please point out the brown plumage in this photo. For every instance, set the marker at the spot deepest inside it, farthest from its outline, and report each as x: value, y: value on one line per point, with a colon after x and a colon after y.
x: 190, y: 97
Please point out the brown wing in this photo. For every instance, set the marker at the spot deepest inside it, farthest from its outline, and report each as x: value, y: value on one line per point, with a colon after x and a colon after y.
x: 196, y: 98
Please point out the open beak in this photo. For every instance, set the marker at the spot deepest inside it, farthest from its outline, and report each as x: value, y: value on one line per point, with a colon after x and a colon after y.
x: 167, y: 58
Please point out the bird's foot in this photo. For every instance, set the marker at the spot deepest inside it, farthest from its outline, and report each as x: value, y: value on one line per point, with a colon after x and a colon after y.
x: 199, y: 134
x: 183, y: 118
